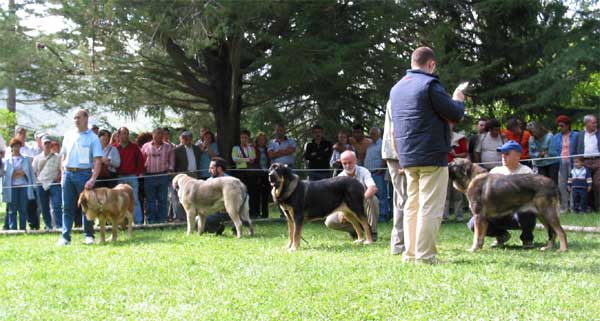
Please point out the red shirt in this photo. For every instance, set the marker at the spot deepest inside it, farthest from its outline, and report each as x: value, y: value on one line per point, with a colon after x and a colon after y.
x: 524, y: 141
x: 461, y: 148
x: 132, y: 160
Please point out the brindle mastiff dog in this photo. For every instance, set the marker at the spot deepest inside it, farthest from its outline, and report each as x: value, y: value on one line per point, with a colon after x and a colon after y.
x: 316, y: 200
x: 493, y: 195
x: 105, y: 204
x: 200, y: 197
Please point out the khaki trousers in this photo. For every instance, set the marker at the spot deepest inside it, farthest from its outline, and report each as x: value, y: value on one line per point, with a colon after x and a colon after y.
x: 336, y: 220
x: 399, y: 198
x: 426, y: 194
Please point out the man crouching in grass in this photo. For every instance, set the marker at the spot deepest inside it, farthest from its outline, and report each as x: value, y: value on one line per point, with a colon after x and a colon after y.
x: 524, y: 221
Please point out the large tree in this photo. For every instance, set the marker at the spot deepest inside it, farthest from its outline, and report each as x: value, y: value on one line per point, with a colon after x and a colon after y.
x: 197, y: 56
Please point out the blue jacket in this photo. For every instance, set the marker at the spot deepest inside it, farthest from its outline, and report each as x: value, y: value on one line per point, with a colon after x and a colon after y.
x: 536, y: 147
x: 7, y: 178
x: 579, y: 146
x: 556, y: 144
x: 421, y: 109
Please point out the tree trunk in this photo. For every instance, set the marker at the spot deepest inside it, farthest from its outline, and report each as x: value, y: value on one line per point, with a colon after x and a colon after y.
x: 223, y: 67
x: 11, y: 100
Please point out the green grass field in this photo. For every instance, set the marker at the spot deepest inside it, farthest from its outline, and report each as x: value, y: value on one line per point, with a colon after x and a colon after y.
x: 164, y: 274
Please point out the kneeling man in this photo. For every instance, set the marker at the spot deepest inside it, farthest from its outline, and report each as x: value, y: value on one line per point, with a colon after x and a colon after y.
x: 498, y: 227
x: 363, y: 175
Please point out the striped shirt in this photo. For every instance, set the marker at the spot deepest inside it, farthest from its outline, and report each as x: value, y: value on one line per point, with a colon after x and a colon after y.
x: 159, y: 159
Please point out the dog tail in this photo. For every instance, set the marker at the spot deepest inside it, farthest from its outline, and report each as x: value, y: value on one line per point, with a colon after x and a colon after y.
x: 245, y: 204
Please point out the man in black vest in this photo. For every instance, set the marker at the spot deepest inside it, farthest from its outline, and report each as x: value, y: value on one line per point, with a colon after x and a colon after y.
x: 421, y: 110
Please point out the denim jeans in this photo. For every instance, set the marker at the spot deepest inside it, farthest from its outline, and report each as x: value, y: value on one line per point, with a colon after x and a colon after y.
x: 156, y: 189
x: 73, y: 184
x: 132, y: 180
x: 53, y: 196
x: 18, y: 203
x: 382, y: 195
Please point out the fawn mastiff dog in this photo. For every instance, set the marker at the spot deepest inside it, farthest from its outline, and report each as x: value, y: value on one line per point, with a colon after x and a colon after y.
x: 317, y: 199
x: 105, y: 204
x: 493, y: 195
x: 201, y: 198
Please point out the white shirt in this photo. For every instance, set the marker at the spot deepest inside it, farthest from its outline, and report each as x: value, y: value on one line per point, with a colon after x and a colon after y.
x: 503, y: 170
x: 387, y: 145
x: 362, y: 175
x: 590, y: 144
x: 189, y: 152
x: 47, y: 169
x: 486, y: 145
x: 2, y: 145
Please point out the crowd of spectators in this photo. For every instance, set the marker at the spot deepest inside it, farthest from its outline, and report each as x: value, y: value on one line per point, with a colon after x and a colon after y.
x: 32, y: 171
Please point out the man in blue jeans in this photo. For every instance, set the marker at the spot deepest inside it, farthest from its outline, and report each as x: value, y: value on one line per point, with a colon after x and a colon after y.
x: 81, y: 154
x: 47, y: 172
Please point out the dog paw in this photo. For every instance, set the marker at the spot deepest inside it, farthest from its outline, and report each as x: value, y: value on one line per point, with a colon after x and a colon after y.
x: 292, y: 249
x: 366, y: 242
x: 474, y: 249
x: 358, y: 241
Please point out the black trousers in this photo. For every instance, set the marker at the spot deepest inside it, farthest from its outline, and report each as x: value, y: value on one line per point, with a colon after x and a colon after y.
x: 33, y: 217
x: 550, y: 171
x: 250, y: 179
x: 517, y: 221
x: 263, y: 193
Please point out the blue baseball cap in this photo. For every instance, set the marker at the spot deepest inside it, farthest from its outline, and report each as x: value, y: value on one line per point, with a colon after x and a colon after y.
x: 510, y: 145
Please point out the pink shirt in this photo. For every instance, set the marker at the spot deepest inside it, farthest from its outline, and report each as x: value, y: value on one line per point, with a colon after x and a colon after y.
x: 565, y: 146
x: 159, y: 158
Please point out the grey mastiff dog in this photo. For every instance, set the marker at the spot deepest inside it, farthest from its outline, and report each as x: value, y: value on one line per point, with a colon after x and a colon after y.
x: 201, y: 198
x: 493, y: 195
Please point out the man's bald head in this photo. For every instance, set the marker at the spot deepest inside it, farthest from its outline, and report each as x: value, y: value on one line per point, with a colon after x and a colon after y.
x: 348, y: 160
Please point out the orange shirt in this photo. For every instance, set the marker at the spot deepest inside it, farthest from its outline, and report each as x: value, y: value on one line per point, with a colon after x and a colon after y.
x: 524, y: 141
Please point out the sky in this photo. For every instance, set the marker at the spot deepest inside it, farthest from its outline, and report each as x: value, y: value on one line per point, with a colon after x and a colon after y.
x: 35, y: 116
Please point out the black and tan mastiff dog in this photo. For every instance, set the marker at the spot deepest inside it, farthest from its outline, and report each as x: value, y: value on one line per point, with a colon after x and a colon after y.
x: 493, y: 195
x: 301, y: 200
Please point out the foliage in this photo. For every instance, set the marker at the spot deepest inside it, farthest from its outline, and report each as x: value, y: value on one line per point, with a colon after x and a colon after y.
x: 8, y: 121
x: 163, y: 274
x: 232, y: 64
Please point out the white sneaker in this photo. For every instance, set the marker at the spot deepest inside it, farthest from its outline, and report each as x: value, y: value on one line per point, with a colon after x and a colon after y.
x: 88, y: 240
x: 62, y: 242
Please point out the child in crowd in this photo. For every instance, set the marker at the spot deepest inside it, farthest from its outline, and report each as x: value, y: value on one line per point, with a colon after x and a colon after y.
x: 579, y: 184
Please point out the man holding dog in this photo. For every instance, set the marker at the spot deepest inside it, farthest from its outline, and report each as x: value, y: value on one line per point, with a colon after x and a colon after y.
x: 421, y: 109
x: 337, y: 221
x: 82, y: 160
x: 498, y: 227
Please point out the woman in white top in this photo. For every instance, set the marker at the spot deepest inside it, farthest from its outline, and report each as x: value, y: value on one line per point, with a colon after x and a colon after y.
x: 110, y: 161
